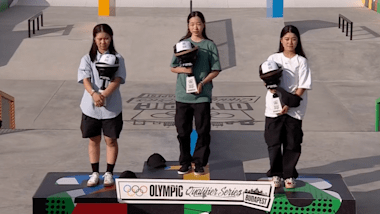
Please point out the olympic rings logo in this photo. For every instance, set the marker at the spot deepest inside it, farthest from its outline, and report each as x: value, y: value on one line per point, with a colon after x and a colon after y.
x: 135, y: 190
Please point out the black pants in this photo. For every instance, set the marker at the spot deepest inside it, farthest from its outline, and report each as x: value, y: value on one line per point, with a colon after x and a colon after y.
x: 183, y: 122
x: 284, y: 131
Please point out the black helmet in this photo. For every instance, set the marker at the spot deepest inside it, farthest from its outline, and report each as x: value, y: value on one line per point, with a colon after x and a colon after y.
x: 270, y: 72
x: 127, y: 174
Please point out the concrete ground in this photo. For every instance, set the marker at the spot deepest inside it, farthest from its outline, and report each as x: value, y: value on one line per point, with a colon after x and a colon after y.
x: 40, y: 72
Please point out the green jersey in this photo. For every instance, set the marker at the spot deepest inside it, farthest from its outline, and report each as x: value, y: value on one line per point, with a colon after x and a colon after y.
x: 207, y: 61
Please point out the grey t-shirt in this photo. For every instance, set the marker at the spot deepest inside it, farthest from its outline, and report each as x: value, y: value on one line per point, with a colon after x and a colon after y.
x: 113, y: 108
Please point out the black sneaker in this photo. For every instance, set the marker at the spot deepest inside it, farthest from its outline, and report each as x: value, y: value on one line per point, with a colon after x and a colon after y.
x: 184, y: 169
x: 199, y: 170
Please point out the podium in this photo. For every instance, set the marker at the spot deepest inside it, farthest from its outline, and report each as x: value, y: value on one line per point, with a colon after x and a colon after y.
x: 66, y: 192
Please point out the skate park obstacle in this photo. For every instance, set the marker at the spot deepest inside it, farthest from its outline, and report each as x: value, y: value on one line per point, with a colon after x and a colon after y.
x: 32, y: 19
x: 349, y: 22
x: 107, y: 7
x: 275, y: 8
x: 7, y: 111
x: 377, y: 114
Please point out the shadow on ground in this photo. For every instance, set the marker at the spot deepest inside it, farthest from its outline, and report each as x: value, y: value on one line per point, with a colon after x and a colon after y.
x: 11, y: 40
x: 306, y: 25
x: 9, y: 131
x: 222, y: 34
x: 366, y: 200
x: 349, y: 165
x: 238, y: 145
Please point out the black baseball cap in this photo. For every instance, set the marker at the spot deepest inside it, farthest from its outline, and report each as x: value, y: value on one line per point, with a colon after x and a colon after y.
x: 127, y: 174
x: 156, y: 161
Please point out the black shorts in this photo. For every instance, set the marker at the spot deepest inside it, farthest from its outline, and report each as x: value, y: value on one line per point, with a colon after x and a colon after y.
x: 92, y: 127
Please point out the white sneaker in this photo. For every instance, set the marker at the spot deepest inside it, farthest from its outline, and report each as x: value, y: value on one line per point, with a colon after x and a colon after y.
x: 290, y: 183
x: 108, y: 179
x: 94, y: 179
x: 277, y: 181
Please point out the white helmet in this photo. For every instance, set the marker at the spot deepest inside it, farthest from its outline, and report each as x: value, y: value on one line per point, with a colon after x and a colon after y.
x: 107, y: 66
x: 270, y: 72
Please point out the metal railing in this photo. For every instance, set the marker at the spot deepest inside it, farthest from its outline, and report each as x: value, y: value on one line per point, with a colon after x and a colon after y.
x: 33, y: 18
x: 343, y: 18
x: 7, y: 111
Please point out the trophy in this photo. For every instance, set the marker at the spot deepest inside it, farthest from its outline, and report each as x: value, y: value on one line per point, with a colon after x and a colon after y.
x: 186, y: 53
x: 270, y: 72
x: 107, y: 67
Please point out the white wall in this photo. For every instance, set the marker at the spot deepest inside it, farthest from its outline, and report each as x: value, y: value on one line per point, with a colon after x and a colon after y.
x: 196, y: 3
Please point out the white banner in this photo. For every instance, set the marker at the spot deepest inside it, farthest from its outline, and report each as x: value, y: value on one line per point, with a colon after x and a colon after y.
x: 254, y: 194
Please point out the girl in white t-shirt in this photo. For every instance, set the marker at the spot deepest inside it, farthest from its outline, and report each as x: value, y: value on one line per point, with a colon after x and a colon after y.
x: 284, y: 129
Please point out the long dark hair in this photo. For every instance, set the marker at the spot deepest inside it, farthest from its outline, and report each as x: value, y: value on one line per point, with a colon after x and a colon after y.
x: 94, y: 48
x: 191, y: 15
x: 292, y: 29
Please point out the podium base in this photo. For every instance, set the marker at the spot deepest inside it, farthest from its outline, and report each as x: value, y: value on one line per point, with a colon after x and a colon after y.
x: 66, y: 192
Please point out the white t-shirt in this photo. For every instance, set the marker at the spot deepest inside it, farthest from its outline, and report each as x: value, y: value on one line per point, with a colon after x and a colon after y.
x: 296, y: 74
